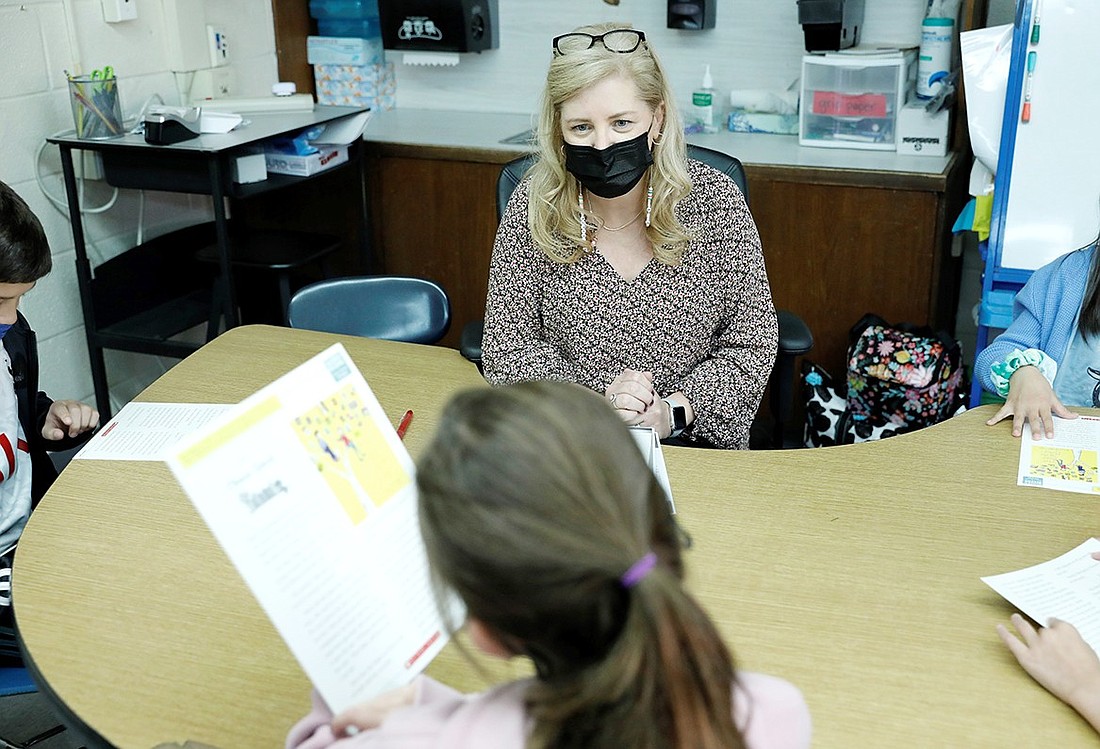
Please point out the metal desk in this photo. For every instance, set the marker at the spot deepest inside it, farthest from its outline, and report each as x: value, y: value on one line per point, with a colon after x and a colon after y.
x: 203, y: 166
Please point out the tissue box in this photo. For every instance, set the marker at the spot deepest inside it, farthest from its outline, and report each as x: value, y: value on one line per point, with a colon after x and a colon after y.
x: 338, y: 50
x: 304, y: 166
x: 920, y: 133
x: 740, y: 121
x: 371, y: 86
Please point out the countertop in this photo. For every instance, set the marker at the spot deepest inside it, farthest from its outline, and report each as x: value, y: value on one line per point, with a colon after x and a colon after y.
x: 482, y: 136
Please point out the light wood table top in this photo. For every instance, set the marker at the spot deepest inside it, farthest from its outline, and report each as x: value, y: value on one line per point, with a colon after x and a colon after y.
x: 851, y: 571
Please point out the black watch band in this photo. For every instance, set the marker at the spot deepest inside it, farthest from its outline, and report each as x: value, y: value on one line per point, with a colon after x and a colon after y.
x: 677, y: 417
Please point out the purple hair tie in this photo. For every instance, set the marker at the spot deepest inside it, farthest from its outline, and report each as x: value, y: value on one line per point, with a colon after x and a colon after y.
x: 638, y: 570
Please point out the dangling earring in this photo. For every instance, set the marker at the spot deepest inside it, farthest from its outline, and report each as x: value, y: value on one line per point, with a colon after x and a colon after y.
x: 580, y: 209
x: 648, y: 202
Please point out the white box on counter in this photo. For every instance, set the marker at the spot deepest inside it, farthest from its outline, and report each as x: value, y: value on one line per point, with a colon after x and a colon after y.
x: 920, y: 133
x: 305, y: 166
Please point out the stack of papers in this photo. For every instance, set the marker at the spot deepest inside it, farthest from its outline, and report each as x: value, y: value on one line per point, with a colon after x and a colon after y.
x: 1066, y: 588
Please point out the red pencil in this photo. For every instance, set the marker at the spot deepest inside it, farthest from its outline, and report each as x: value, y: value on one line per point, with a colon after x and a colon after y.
x: 404, y: 425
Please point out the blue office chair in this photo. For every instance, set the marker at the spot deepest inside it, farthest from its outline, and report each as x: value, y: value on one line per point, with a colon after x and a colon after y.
x: 795, y: 338
x: 393, y: 307
x: 17, y: 680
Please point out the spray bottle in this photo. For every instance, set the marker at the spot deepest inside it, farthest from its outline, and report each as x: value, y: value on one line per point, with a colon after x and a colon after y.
x: 702, y: 105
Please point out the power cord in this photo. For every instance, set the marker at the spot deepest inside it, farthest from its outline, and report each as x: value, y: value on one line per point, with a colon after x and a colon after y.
x: 60, y: 203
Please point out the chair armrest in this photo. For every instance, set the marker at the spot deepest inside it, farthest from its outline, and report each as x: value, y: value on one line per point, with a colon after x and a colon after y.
x: 795, y: 338
x: 470, y: 343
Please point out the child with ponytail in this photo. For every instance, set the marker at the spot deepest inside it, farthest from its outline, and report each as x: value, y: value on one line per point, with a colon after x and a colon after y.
x: 539, y: 512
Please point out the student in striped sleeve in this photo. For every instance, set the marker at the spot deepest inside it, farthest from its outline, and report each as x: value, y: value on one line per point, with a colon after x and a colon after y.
x: 31, y: 424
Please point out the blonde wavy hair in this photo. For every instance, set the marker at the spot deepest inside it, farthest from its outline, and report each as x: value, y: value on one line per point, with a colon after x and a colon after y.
x: 553, y: 214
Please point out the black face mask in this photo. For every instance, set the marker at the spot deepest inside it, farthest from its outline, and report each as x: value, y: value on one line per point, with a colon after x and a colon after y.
x: 613, y: 171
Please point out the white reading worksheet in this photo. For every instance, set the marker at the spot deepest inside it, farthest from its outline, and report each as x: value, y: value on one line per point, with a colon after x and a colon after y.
x: 147, y: 431
x: 650, y: 444
x: 1068, y: 461
x: 313, y: 497
x: 1066, y: 587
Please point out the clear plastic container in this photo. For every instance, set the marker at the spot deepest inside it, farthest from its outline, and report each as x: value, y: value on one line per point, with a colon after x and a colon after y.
x: 852, y: 101
x: 361, y: 28
x: 345, y: 9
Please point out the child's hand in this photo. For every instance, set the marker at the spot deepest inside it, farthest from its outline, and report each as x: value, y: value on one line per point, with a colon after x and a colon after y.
x: 370, y: 714
x: 69, y: 418
x: 1059, y: 659
x: 1031, y: 399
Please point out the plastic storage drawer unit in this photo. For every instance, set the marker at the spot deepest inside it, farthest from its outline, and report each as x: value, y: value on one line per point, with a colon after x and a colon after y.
x: 852, y: 101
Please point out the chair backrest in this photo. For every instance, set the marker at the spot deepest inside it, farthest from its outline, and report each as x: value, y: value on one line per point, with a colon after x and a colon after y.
x: 513, y: 172
x: 15, y: 680
x: 393, y: 307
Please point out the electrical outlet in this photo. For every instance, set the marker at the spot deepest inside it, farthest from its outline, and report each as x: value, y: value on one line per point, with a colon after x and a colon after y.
x: 116, y: 11
x: 219, y: 46
x: 212, y: 83
x: 223, y: 82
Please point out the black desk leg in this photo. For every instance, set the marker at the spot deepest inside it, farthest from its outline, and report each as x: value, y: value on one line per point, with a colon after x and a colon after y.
x: 84, y: 284
x: 221, y: 224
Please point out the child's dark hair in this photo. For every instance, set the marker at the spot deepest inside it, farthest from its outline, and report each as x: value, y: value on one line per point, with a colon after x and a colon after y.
x: 534, y: 500
x: 24, y: 250
x: 1088, y: 322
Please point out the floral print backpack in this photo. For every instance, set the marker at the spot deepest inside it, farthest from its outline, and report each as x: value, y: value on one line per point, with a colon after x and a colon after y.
x: 899, y: 378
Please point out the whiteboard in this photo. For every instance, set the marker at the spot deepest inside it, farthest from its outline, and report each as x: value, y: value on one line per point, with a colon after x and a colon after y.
x: 1054, y: 175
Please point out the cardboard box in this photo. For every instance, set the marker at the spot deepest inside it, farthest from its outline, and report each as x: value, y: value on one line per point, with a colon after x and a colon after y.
x: 371, y: 86
x: 340, y: 50
x: 305, y: 166
x: 920, y: 133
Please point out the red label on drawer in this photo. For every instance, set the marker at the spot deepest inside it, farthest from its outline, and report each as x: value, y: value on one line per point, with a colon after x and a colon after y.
x: 846, y: 105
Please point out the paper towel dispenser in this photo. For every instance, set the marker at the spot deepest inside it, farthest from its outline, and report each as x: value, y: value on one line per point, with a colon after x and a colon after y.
x: 439, y: 25
x: 830, y: 24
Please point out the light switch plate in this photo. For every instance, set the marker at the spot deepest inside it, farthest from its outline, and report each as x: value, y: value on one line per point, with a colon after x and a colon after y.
x: 219, y: 46
x: 116, y: 11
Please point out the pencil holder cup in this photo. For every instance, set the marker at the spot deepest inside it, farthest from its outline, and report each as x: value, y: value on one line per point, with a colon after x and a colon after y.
x: 96, y: 110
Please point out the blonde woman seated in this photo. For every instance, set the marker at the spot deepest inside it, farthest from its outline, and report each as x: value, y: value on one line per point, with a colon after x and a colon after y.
x: 623, y: 266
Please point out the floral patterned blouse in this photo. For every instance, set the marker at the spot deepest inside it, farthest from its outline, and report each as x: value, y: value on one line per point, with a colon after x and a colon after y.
x: 705, y: 327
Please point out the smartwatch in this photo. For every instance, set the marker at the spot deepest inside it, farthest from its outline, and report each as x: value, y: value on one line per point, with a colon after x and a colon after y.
x: 677, y: 417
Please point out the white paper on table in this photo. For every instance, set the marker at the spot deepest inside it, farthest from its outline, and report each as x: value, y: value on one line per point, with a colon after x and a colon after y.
x: 650, y: 444
x: 218, y: 122
x: 147, y: 431
x: 312, y: 495
x: 1067, y: 462
x: 343, y: 131
x: 1066, y: 588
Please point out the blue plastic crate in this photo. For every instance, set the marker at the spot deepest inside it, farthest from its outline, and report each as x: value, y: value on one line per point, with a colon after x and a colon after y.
x: 360, y: 28
x: 996, y: 309
x: 346, y: 9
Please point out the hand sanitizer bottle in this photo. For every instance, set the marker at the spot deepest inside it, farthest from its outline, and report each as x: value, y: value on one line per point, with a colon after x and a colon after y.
x: 702, y: 105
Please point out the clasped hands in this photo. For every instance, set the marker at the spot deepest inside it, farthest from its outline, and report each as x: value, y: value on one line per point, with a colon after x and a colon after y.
x: 634, y: 399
